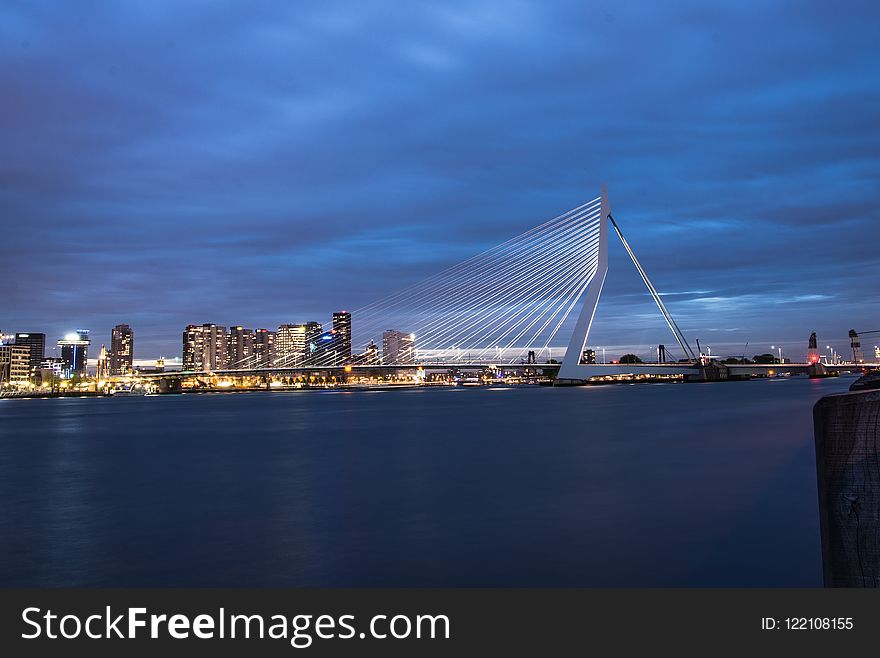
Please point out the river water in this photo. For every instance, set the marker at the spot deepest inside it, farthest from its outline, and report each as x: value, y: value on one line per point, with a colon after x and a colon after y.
x: 624, y: 485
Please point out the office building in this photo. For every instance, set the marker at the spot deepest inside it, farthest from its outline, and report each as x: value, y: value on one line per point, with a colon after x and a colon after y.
x: 326, y: 349
x: 14, y: 364
x: 264, y: 348
x: 74, y: 353
x: 36, y: 344
x: 313, y: 330
x: 193, y: 347
x: 398, y: 348
x: 241, y: 348
x: 290, y: 345
x: 51, y: 369
x: 342, y: 327
x: 121, y: 356
x: 205, y: 347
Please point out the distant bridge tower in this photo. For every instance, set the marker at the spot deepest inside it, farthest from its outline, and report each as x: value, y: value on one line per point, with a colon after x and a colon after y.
x: 812, y: 350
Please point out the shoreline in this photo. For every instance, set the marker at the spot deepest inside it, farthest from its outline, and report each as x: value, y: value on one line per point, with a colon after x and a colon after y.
x: 355, y: 388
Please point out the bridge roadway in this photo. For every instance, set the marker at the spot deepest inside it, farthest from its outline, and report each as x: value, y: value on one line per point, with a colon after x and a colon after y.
x: 594, y: 370
x: 355, y: 369
x: 696, y: 372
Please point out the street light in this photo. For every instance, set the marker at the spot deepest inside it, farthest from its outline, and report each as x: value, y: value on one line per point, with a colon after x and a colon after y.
x: 773, y: 347
x: 830, y: 354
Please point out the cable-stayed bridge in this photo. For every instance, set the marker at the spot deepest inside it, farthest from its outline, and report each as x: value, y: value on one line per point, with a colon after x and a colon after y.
x: 516, y: 298
x: 506, y: 306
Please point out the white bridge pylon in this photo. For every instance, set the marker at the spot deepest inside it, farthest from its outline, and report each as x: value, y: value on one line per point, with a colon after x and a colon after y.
x: 573, y: 369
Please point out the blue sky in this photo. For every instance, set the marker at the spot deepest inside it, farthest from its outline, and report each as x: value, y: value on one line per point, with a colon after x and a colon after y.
x: 264, y: 162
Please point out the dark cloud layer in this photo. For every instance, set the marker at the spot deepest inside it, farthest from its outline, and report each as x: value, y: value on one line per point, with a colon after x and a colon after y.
x: 256, y: 163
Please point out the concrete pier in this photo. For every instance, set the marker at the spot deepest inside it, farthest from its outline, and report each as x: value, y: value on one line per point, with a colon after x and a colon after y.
x: 847, y: 433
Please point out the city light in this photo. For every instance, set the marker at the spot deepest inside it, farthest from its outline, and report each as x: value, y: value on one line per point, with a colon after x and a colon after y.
x: 322, y: 357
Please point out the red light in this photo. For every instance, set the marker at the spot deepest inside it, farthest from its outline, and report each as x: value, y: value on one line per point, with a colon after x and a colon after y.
x: 814, y: 358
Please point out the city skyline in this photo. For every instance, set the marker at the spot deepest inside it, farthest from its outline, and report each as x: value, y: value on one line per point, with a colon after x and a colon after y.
x: 742, y: 165
x: 795, y: 350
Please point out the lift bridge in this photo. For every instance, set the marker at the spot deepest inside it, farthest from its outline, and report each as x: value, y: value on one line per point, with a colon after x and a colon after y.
x: 508, y: 306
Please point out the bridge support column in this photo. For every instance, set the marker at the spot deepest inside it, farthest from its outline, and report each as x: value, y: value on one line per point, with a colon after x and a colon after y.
x: 169, y: 385
x: 817, y: 370
x: 711, y: 372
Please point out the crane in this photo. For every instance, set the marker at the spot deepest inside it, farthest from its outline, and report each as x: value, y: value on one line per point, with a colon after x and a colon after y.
x: 856, y: 343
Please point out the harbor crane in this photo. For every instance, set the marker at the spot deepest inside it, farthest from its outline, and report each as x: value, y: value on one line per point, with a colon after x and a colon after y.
x: 856, y: 343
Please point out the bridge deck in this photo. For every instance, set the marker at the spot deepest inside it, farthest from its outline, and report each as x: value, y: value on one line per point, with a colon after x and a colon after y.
x: 299, y: 370
x: 590, y: 370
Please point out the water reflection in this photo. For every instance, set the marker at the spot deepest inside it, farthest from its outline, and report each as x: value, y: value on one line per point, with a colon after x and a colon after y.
x: 648, y: 485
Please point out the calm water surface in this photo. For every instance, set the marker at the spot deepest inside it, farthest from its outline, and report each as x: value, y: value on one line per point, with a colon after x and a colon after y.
x: 647, y: 485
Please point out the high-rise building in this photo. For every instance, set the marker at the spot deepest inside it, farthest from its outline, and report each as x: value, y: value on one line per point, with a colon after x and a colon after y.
x: 220, y: 348
x: 398, y: 348
x: 121, y: 357
x: 204, y: 347
x: 14, y: 363
x: 313, y: 330
x: 74, y: 353
x: 36, y: 344
x: 290, y: 345
x: 241, y: 348
x: 326, y: 349
x: 193, y: 347
x: 264, y: 348
x: 293, y: 343
x: 342, y: 327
